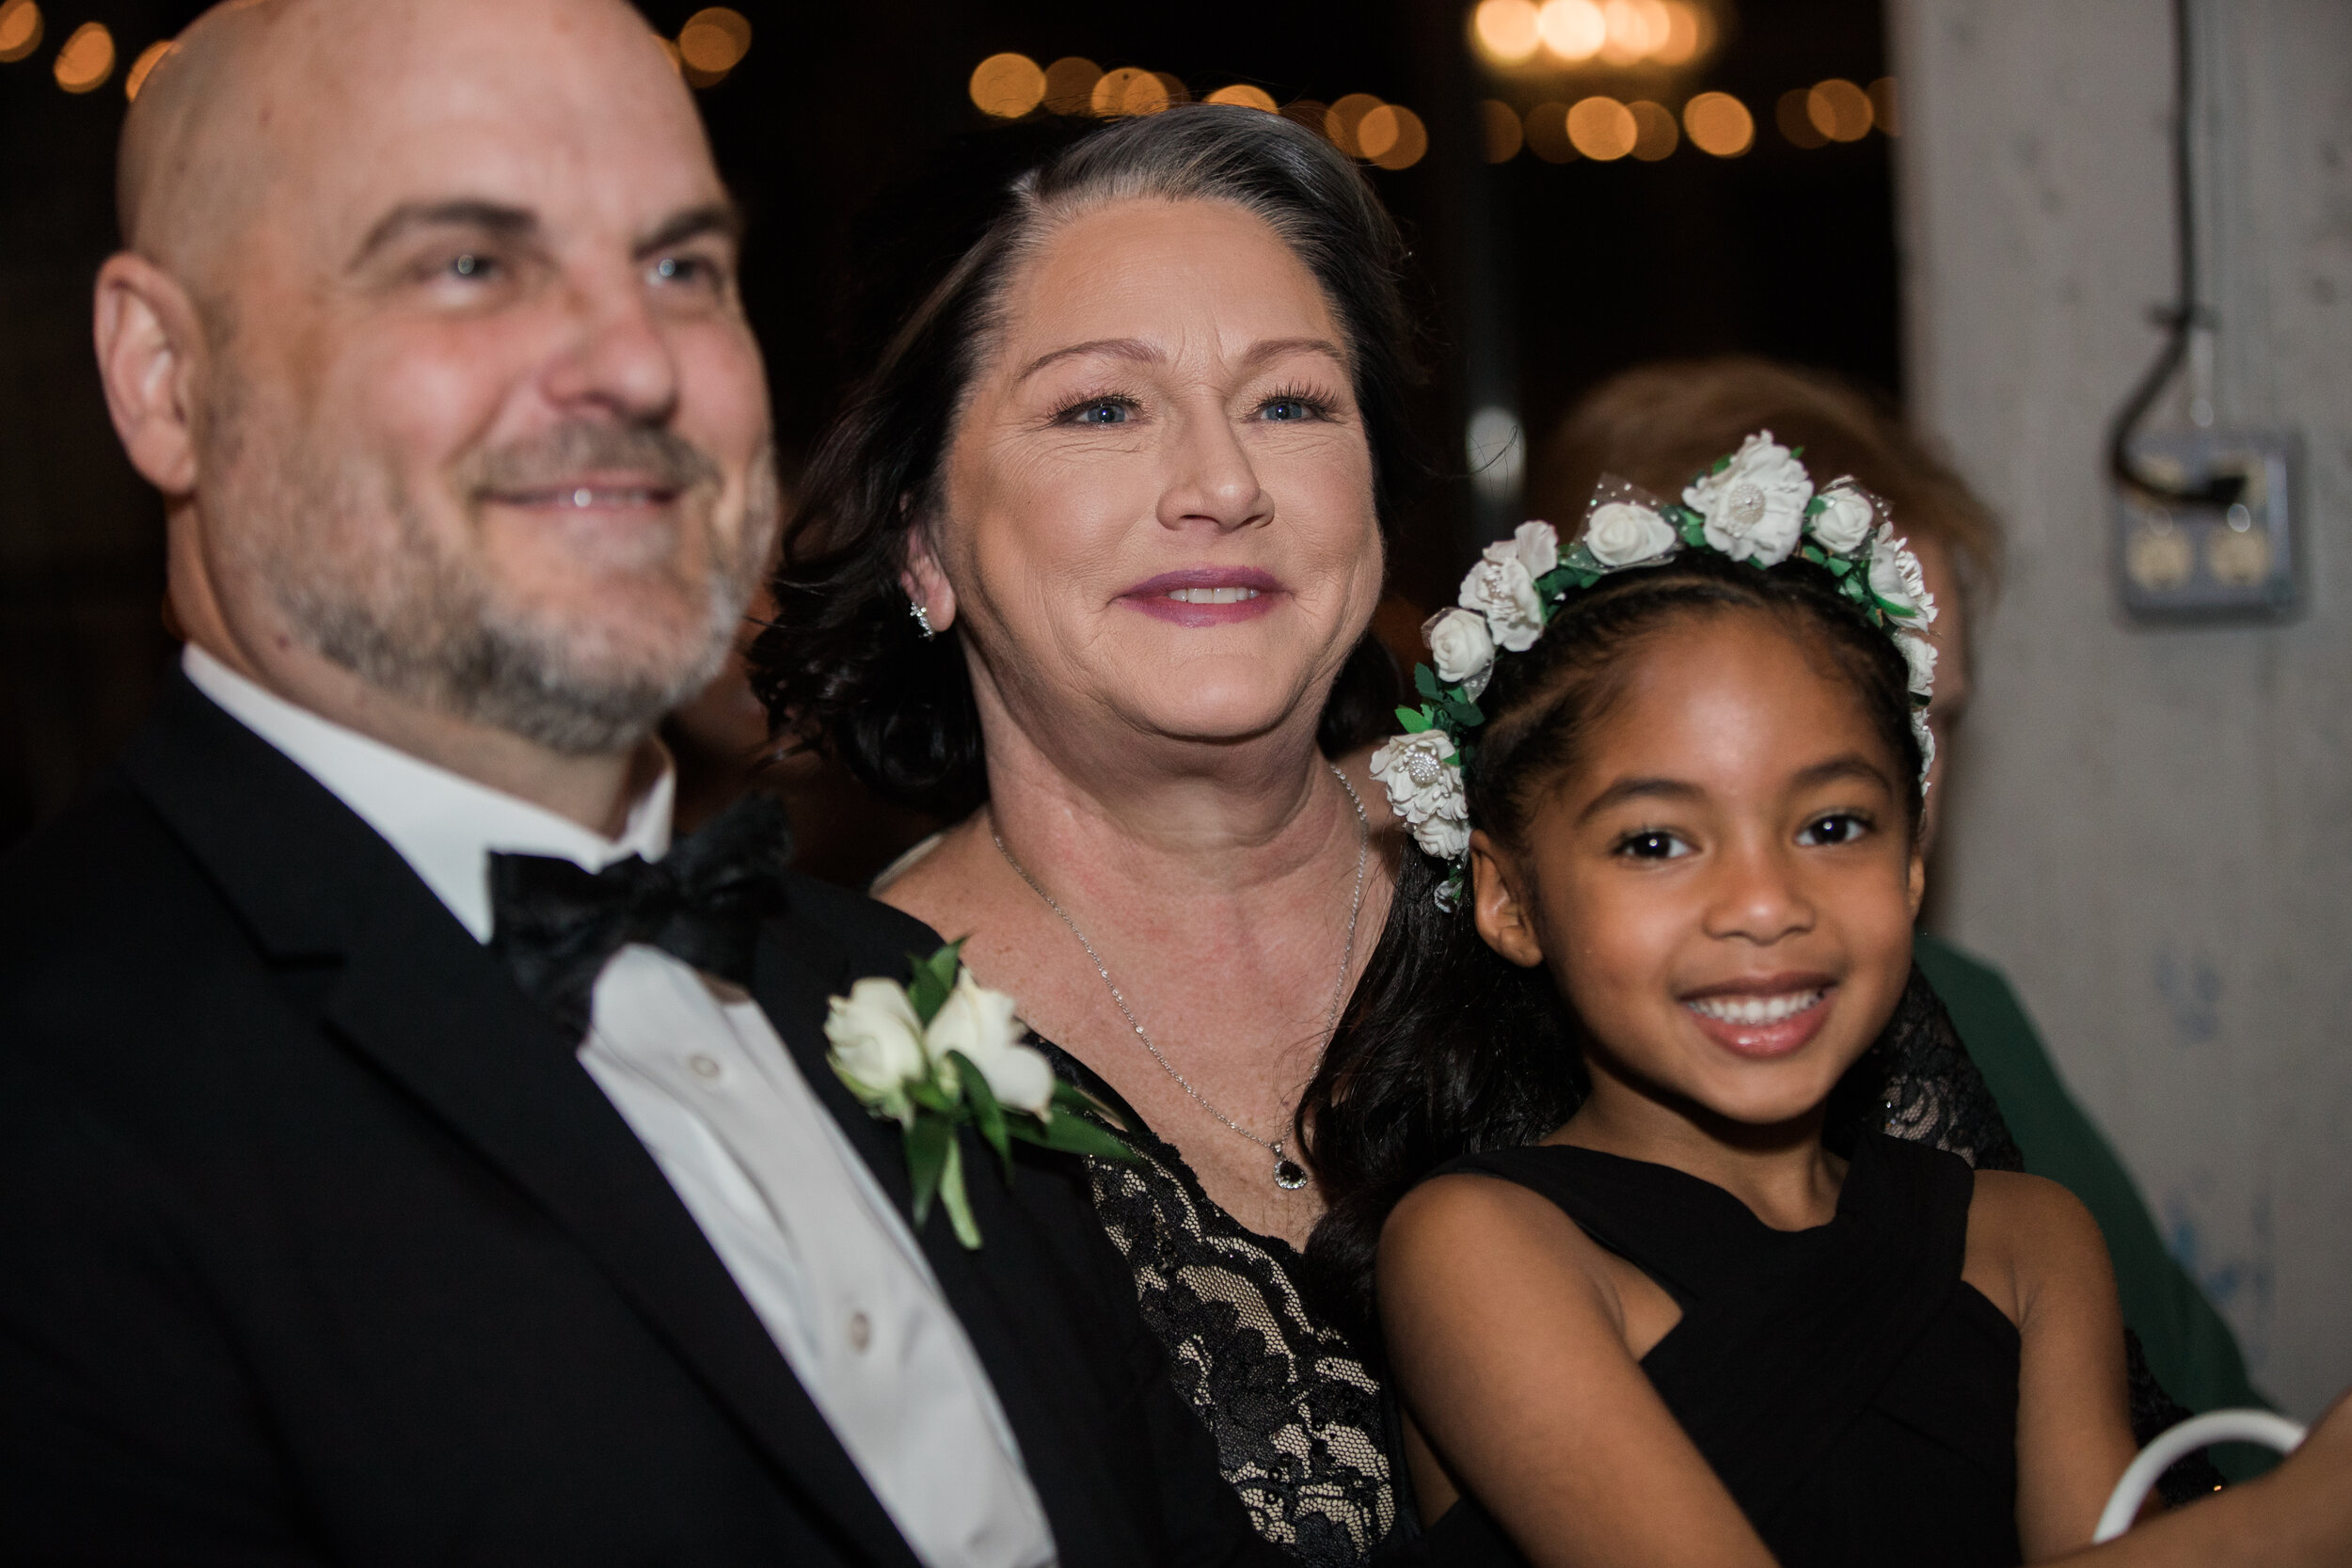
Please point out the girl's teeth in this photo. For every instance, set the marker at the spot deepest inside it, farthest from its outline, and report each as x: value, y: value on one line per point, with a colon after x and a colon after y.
x: 1212, y: 595
x: 1754, y: 1009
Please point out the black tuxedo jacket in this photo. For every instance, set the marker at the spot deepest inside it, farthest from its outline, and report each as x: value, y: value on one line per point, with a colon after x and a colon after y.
x: 318, y: 1244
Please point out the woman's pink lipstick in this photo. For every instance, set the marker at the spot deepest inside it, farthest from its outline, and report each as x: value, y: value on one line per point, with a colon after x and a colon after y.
x: 1766, y: 1018
x: 1206, y: 595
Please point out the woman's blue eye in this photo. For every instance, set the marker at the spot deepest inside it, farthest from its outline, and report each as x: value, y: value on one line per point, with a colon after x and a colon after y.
x: 1105, y: 411
x: 1838, y: 827
x: 1288, y: 409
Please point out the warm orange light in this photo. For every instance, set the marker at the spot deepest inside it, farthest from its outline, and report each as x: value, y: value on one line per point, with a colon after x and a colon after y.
x: 149, y: 58
x: 714, y: 40
x: 1686, y: 33
x: 1242, y: 94
x: 1007, y: 86
x: 1506, y: 30
x: 88, y: 58
x: 1345, y: 117
x: 1573, y: 29
x: 1883, y: 106
x: 1794, y: 123
x: 1718, y: 125
x: 1305, y: 112
x: 1070, y: 85
x: 1500, y: 133
x: 1548, y: 133
x: 1393, y: 137
x: 1129, y: 92
x: 20, y: 29
x: 1626, y: 25
x: 1602, y: 129
x: 1655, y: 134
x: 1173, y: 86
x: 1838, y: 109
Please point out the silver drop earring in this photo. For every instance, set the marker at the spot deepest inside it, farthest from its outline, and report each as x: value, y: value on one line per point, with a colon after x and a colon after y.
x: 922, y: 619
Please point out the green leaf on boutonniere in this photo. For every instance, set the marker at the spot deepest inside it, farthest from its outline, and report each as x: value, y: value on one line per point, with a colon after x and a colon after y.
x: 935, y: 978
x: 1073, y: 1134
x: 930, y: 1143
x: 957, y: 1201
x: 988, y: 1116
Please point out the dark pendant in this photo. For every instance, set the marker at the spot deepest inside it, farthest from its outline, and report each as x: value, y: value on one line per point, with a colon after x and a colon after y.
x: 1289, y: 1174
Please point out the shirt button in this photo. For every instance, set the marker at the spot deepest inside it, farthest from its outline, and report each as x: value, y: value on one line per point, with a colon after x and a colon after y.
x: 705, y: 1066
x: 861, y: 1331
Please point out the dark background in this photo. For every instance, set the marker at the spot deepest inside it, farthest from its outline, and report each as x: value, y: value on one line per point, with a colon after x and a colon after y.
x: 1538, y: 280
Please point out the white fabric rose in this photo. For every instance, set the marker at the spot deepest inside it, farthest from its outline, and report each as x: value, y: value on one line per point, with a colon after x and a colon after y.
x: 1538, y: 546
x: 981, y: 1023
x: 1925, y: 735
x: 1464, y: 648
x: 1919, y: 653
x: 1501, y: 588
x: 877, y: 1040
x: 1845, y: 518
x: 1620, y: 534
x: 1755, y: 506
x: 1425, y: 789
x: 1898, y: 580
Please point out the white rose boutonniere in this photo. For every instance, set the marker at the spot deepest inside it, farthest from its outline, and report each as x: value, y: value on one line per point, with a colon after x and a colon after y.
x: 1425, y: 787
x: 947, y: 1053
x: 1501, y: 588
x: 1622, y: 534
x: 1896, y: 581
x: 1464, y: 648
x: 1754, y: 502
x: 1844, y: 519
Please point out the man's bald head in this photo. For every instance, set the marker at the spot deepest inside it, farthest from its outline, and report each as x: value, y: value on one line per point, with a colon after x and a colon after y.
x: 253, y: 89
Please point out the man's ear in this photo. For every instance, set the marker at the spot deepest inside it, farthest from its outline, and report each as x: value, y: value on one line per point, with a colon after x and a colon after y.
x: 150, y: 340
x: 1504, y: 915
x: 925, y: 583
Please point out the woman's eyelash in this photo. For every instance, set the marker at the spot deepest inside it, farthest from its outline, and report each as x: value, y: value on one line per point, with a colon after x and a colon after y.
x: 1068, y: 412
x: 1315, y: 402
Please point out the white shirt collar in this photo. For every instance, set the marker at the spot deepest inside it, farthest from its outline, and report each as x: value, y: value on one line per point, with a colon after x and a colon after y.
x: 443, y: 824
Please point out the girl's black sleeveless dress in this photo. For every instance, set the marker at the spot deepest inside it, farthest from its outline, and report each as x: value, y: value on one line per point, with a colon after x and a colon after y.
x: 1855, y: 1395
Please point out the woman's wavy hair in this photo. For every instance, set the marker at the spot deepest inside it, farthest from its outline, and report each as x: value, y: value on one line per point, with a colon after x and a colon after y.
x: 843, y: 668
x: 1447, y: 1048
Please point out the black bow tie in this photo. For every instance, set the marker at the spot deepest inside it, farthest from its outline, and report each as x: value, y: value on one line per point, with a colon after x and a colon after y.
x: 555, y: 924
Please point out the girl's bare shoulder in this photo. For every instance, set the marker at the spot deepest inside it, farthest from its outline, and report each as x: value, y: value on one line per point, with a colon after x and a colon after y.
x: 2027, y: 1234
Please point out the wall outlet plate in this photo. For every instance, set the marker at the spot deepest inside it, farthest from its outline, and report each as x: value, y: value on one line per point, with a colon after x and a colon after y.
x: 2232, y: 556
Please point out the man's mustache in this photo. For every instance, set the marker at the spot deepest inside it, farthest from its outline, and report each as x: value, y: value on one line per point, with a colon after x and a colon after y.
x: 667, y: 461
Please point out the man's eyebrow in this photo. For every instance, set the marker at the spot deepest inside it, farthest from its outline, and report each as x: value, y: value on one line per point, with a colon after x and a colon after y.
x: 1638, y: 789
x: 495, y: 216
x: 723, y: 218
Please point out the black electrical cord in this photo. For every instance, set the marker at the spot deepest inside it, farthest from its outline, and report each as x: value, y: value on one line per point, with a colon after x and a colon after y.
x: 2185, y: 317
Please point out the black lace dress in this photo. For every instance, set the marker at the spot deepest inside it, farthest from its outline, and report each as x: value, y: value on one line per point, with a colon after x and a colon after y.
x: 1302, y: 1425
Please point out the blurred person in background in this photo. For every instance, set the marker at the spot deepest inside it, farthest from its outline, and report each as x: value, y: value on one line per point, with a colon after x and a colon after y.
x: 1086, y: 568
x: 407, y: 1152
x: 1657, y: 425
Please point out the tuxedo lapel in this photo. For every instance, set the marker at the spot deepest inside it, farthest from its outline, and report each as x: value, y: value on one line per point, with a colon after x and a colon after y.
x: 422, y: 1001
x: 1011, y: 1318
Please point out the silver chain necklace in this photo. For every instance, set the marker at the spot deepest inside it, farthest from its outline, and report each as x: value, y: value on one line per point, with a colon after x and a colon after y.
x: 1289, y: 1174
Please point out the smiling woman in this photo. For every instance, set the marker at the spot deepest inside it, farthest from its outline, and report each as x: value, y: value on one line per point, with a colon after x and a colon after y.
x: 1087, y: 567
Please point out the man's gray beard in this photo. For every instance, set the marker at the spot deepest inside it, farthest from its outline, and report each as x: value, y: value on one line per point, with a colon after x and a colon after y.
x: 422, y: 624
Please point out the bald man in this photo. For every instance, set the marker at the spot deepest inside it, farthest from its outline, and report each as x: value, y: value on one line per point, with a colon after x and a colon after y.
x: 405, y: 1154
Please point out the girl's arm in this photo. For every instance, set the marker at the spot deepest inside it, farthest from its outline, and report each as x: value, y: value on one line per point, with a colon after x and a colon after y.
x: 1509, y: 1343
x: 2035, y: 1250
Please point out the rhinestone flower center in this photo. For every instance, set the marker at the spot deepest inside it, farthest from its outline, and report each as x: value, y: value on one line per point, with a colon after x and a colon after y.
x: 1745, y: 507
x: 1423, y: 770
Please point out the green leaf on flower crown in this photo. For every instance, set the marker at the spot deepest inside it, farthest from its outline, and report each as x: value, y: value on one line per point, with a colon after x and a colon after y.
x: 988, y: 1116
x: 930, y: 1142
x: 1814, y: 507
x: 1465, y: 712
x: 957, y: 1201
x: 1425, y: 682
x: 1585, y: 579
x: 1839, y: 565
x: 1414, y: 720
x: 1695, y: 530
x: 1720, y: 463
x: 1796, y: 451
x: 935, y: 978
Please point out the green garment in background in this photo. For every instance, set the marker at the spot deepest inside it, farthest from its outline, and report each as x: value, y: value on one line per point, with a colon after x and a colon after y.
x: 2190, y: 1349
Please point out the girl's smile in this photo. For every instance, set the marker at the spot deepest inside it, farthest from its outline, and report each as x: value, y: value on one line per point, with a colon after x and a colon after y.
x: 1769, y: 1015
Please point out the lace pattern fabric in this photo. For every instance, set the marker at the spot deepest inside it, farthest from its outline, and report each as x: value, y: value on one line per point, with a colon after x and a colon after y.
x: 1295, y: 1414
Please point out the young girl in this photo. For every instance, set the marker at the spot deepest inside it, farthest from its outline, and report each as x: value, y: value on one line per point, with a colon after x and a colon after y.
x: 1665, y: 789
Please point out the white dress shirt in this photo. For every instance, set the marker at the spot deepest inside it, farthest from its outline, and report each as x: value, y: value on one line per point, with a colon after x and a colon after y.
x: 696, y: 1069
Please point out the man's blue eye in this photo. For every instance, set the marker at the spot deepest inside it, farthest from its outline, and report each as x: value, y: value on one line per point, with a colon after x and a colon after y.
x: 471, y: 265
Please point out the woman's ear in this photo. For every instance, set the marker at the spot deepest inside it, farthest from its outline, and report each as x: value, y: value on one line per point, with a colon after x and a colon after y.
x: 1918, y: 880
x: 1506, y: 919
x: 925, y: 583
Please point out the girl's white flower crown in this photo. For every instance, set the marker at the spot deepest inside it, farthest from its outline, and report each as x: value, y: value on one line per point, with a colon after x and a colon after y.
x: 1757, y: 504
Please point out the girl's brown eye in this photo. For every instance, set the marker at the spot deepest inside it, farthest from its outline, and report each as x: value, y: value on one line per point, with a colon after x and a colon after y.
x: 1652, y: 846
x: 1841, y: 827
